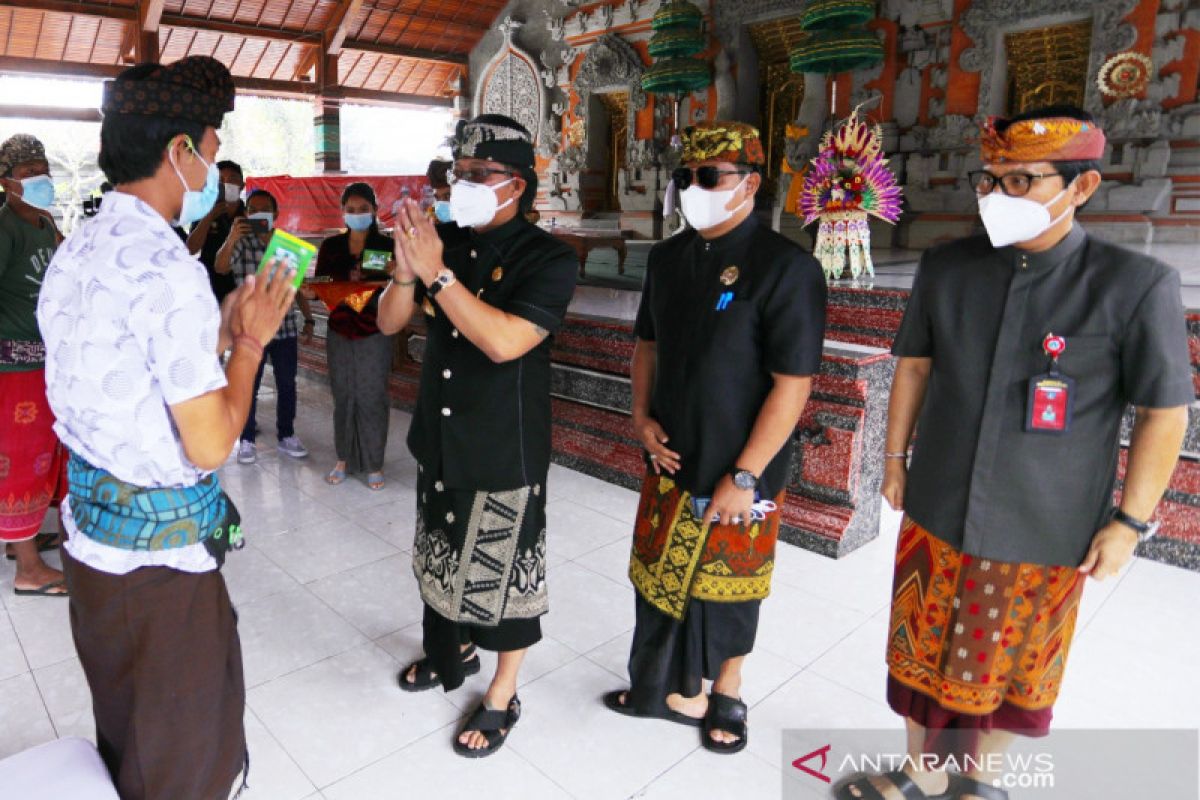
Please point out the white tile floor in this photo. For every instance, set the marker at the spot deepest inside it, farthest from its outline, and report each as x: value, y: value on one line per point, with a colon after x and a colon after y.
x: 329, y: 613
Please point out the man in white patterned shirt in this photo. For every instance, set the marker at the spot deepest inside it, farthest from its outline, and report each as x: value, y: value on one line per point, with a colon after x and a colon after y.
x: 241, y: 257
x: 132, y: 335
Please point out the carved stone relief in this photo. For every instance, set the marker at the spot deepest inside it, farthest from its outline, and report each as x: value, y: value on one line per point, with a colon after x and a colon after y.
x: 611, y: 64
x: 511, y: 84
x: 984, y: 23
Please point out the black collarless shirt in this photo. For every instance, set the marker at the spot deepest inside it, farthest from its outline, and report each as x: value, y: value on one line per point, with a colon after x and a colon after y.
x: 480, y: 425
x: 715, y: 355
x: 977, y: 479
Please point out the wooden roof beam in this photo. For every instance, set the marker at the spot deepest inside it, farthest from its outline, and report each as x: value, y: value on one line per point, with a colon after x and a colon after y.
x: 344, y: 15
x: 43, y: 67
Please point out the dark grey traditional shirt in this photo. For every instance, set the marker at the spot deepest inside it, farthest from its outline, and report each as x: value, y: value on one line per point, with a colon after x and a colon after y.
x: 977, y: 479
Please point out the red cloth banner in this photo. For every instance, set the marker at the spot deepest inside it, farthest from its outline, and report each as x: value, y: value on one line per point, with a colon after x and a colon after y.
x: 313, y: 205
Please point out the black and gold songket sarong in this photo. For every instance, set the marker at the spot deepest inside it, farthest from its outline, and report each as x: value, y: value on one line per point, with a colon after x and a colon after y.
x: 676, y: 556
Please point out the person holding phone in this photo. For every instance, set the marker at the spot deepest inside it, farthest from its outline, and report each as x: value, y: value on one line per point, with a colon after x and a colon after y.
x: 148, y: 414
x: 241, y: 260
x: 360, y: 357
x: 220, y: 227
x: 729, y: 336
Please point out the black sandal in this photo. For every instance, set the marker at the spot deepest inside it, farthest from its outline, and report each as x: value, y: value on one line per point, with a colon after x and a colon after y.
x: 490, y: 723
x: 961, y: 786
x: 726, y: 714
x: 902, y: 783
x: 424, y: 679
x: 613, y: 701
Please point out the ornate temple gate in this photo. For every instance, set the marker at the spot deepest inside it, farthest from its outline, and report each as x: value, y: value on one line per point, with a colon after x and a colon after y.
x: 1048, y: 66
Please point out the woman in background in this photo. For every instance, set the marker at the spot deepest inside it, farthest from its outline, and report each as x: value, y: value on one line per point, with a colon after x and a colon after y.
x: 360, y: 357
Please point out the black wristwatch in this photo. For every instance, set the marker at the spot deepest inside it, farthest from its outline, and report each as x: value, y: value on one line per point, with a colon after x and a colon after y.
x: 743, y: 478
x: 1144, y: 530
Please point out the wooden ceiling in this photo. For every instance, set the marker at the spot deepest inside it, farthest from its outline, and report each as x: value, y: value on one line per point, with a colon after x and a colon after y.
x: 399, y: 51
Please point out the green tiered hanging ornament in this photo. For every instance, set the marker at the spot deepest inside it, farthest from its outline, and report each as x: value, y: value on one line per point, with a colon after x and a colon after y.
x: 678, y: 36
x: 849, y: 179
x: 836, y: 40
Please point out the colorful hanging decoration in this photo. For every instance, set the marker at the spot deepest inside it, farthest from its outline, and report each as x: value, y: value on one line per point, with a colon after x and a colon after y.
x: 822, y: 15
x: 846, y: 183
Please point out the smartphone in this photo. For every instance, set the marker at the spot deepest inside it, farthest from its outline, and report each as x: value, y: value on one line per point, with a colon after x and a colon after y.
x: 375, y: 259
x: 259, y: 226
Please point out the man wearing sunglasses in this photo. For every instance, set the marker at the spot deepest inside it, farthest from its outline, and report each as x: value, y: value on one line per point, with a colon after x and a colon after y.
x: 493, y: 290
x: 1019, y: 351
x: 729, y: 335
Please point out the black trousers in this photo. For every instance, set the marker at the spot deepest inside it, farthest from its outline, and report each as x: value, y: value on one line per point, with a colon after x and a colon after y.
x: 670, y: 656
x: 443, y: 641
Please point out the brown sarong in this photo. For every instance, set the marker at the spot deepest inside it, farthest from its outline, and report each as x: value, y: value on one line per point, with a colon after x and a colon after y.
x: 977, y: 643
x: 676, y: 556
x: 161, y: 654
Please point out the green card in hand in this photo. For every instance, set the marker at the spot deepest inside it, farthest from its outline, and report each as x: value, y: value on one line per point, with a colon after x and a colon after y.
x: 292, y: 251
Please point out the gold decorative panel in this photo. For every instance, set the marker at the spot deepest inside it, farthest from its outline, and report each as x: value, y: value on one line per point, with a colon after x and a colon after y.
x: 1048, y: 66
x: 780, y: 89
x: 617, y: 105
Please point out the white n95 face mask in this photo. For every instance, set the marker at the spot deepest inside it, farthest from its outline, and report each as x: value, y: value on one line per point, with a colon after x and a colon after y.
x: 1012, y: 220
x: 705, y: 208
x: 475, y: 204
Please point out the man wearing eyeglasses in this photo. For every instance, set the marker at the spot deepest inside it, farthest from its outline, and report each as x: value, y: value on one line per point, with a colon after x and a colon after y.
x: 1019, y: 352
x: 493, y: 290
x: 729, y: 335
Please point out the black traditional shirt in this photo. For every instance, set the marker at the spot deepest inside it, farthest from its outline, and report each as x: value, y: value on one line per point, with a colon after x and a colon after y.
x: 480, y: 425
x: 978, y: 480
x: 724, y: 315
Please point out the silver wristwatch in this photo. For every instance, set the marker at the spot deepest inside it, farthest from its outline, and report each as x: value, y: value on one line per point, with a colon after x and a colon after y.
x: 444, y: 279
x: 743, y: 478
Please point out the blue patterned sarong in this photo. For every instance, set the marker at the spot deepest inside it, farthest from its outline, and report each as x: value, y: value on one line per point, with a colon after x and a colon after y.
x: 112, y: 512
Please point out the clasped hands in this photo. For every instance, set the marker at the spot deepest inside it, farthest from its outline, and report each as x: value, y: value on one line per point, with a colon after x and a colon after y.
x: 418, y: 248
x: 729, y: 504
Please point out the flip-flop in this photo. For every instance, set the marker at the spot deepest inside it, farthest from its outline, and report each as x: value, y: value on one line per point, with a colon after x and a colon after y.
x: 375, y: 481
x: 335, y: 476
x: 43, y: 591
x: 613, y: 702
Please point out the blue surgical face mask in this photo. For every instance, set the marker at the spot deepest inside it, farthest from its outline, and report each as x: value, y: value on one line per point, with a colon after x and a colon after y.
x: 38, y: 192
x: 441, y: 210
x: 198, y: 202
x: 358, y: 222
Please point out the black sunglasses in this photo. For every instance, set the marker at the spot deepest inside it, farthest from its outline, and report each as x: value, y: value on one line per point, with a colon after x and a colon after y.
x: 706, y: 177
x: 1013, y: 184
x: 475, y: 174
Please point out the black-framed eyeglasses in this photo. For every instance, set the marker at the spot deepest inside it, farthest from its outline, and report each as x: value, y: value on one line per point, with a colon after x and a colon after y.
x: 708, y: 177
x: 474, y: 174
x: 1013, y: 184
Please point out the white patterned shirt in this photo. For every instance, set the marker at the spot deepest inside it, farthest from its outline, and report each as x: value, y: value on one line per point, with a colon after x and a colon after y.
x: 131, y: 328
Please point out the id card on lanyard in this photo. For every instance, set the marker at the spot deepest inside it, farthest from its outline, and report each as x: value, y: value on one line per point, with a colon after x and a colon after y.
x: 1051, y: 394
